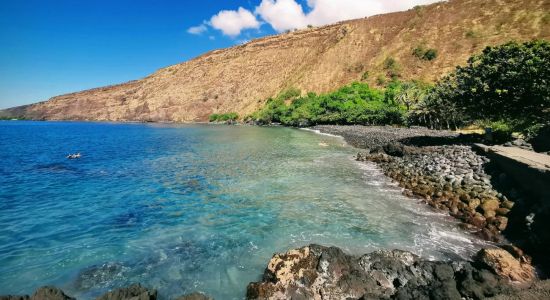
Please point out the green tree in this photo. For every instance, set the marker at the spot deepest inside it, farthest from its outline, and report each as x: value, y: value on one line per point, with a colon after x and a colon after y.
x: 410, y: 95
x: 507, y: 83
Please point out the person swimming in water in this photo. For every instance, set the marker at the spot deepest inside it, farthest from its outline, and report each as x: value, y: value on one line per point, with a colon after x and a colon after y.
x: 74, y: 156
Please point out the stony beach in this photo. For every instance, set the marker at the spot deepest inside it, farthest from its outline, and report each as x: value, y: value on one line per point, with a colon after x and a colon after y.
x: 454, y: 174
x: 451, y: 176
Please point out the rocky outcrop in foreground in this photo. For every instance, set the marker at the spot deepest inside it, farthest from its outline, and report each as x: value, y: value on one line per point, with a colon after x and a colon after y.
x: 317, y: 272
x: 43, y: 293
x: 132, y: 292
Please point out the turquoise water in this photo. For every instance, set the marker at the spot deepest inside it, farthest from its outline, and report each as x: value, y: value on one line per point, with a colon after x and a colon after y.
x: 187, y: 208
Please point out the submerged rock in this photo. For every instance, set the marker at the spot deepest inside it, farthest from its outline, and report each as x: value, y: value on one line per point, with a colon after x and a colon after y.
x: 317, y: 272
x: 99, y: 275
x: 194, y: 296
x: 133, y: 292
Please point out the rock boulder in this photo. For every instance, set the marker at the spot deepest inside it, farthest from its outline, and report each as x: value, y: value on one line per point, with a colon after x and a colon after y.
x: 317, y: 272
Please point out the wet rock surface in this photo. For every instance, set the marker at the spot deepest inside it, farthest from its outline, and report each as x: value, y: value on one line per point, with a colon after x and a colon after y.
x: 133, y: 292
x: 43, y: 293
x: 317, y: 272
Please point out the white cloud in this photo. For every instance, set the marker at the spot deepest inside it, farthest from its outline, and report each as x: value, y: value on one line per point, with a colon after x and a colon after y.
x: 200, y: 29
x: 232, y: 22
x: 282, y: 14
x: 288, y: 14
x: 285, y: 15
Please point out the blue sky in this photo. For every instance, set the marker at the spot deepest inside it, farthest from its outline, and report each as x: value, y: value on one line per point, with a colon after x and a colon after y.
x: 49, y: 48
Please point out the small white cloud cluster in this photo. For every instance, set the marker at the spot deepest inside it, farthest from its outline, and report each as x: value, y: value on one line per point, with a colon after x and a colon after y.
x: 232, y: 22
x: 284, y: 15
x: 200, y: 29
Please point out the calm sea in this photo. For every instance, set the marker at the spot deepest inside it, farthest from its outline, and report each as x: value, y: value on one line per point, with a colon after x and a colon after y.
x: 185, y: 208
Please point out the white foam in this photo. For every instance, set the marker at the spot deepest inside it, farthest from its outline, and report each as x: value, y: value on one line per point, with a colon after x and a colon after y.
x: 321, y: 133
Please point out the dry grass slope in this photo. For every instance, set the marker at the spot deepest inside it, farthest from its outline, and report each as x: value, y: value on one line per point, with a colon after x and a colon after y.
x: 321, y: 59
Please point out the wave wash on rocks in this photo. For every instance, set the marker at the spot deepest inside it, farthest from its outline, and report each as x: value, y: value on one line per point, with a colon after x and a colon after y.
x: 450, y: 178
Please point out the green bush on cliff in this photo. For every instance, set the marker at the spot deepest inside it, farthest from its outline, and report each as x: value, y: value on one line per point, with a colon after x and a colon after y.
x: 508, y: 83
x: 425, y: 54
x: 356, y: 103
x: 223, y: 117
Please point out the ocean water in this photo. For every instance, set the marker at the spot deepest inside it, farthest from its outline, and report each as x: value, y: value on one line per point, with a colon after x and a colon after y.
x: 185, y: 208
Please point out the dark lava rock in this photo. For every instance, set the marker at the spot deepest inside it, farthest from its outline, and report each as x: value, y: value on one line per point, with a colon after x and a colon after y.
x: 370, y: 137
x: 43, y: 293
x: 537, y: 291
x: 394, y: 149
x: 317, y: 272
x: 50, y: 293
x: 195, y: 296
x: 133, y: 292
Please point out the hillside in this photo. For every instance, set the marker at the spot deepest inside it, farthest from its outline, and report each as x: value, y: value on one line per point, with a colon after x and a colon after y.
x: 321, y: 59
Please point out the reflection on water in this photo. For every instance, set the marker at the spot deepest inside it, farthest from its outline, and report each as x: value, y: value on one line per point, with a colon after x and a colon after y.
x: 195, y: 207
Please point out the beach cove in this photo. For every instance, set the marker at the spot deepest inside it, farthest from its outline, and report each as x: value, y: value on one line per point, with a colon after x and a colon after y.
x: 185, y: 208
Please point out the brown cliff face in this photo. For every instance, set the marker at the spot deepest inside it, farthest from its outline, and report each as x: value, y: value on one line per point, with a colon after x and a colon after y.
x: 241, y: 78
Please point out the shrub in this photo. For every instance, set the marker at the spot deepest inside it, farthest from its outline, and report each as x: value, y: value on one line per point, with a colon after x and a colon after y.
x: 223, y: 117
x: 213, y: 117
x: 381, y: 80
x: 392, y: 67
x: 430, y: 54
x: 502, y: 131
x: 471, y: 34
x: 418, y: 51
x: 365, y: 76
x: 508, y: 82
x: 424, y: 54
x: 353, y: 104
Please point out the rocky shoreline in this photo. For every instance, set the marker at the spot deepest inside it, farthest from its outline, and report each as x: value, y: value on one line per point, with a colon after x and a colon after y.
x: 447, y: 171
x: 451, y: 179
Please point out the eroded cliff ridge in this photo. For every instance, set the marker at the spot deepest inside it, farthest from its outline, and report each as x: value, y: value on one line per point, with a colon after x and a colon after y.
x: 241, y: 78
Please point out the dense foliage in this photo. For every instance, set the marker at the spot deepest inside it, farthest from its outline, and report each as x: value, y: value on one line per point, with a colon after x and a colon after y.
x: 353, y: 104
x: 505, y: 84
x: 505, y: 88
x: 223, y: 117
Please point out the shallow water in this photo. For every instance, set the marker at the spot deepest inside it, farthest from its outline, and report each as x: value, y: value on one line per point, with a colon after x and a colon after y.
x: 187, y: 208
